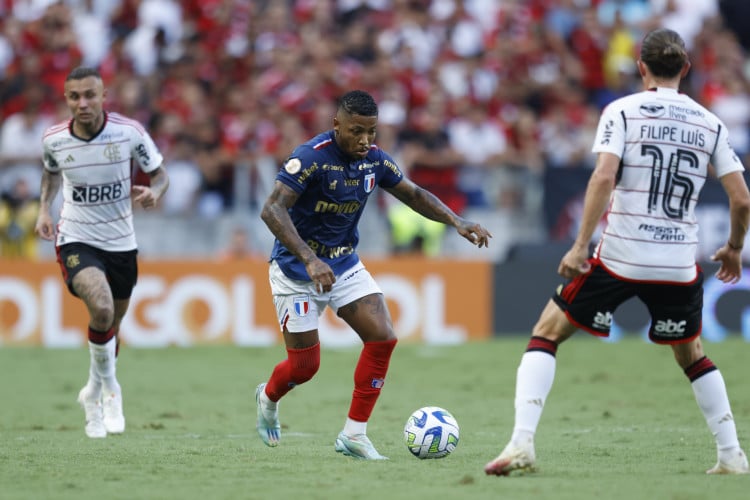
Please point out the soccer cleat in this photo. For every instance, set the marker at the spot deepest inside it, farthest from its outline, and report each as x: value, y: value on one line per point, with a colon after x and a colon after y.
x: 114, y: 420
x: 513, y: 458
x: 269, y: 428
x: 735, y: 464
x: 358, y: 446
x: 92, y: 407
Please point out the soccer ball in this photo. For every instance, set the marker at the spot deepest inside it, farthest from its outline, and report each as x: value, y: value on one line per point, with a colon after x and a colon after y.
x: 431, y: 432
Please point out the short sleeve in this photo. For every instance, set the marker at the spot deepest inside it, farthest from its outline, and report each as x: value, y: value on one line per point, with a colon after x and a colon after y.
x: 724, y: 159
x: 48, y: 159
x: 145, y: 152
x: 610, y: 133
x: 392, y: 174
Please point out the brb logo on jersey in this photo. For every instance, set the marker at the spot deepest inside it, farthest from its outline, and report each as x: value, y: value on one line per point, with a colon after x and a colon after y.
x: 97, y: 194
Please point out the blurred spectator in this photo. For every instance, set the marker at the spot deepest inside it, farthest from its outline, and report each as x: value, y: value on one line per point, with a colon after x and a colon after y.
x: 91, y: 24
x: 157, y: 38
x: 21, y: 142
x: 517, y: 183
x: 238, y: 245
x: 287, y: 133
x: 54, y: 38
x: 18, y: 212
x: 428, y: 158
x: 686, y: 17
x: 589, y: 42
x: 482, y: 144
x: 229, y: 86
x: 184, y: 178
x: 736, y: 16
x: 566, y: 138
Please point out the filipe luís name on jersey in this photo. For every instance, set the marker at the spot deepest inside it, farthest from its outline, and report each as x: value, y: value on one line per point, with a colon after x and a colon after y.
x: 333, y: 189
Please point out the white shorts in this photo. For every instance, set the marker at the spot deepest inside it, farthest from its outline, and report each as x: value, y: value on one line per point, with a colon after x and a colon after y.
x: 298, y: 304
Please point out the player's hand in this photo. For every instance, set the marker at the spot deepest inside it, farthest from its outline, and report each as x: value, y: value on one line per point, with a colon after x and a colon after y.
x: 144, y: 196
x: 474, y: 232
x: 321, y: 274
x: 731, y: 264
x: 574, y: 263
x: 44, y: 227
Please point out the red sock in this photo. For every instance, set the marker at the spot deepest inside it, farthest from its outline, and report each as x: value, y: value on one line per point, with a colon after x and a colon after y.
x: 298, y: 368
x: 369, y: 377
x: 98, y: 337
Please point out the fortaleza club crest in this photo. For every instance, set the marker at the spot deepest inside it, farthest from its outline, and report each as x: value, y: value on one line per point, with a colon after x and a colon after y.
x: 302, y: 305
x: 369, y: 182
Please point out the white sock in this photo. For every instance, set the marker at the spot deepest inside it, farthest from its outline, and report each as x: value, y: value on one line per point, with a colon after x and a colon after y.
x: 103, y: 359
x: 533, y: 382
x: 267, y: 406
x: 95, y: 381
x: 352, y: 427
x: 711, y: 395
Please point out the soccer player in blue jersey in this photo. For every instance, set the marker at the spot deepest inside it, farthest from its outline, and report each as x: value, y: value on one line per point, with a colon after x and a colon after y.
x: 313, y: 211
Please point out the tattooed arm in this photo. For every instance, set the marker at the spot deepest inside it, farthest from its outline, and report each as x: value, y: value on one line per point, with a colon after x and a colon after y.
x: 275, y: 214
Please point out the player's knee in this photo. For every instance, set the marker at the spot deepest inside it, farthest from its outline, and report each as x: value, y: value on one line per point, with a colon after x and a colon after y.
x: 301, y: 374
x: 304, y: 363
x: 102, y: 315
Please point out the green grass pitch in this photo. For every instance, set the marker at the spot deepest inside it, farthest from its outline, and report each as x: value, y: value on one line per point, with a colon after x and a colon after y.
x: 620, y: 423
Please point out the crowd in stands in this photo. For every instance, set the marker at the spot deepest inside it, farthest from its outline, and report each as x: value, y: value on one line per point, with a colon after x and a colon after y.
x: 478, y: 98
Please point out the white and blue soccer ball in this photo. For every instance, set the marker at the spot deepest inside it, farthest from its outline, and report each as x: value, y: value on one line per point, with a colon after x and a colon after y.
x: 431, y: 432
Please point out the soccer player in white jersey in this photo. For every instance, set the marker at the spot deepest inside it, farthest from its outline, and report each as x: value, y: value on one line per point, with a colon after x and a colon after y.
x: 91, y: 155
x: 654, y: 148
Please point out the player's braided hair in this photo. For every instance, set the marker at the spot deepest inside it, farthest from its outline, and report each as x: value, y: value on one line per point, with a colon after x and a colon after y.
x: 358, y: 102
x: 82, y: 72
x: 663, y: 51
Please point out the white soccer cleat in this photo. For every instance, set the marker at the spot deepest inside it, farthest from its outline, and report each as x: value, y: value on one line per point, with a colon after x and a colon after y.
x: 268, y: 426
x: 358, y: 446
x: 114, y: 420
x: 735, y: 463
x: 513, y: 458
x: 92, y: 407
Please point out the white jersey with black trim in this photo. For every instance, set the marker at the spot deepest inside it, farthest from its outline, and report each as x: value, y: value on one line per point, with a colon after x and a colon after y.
x: 96, y: 180
x: 665, y: 142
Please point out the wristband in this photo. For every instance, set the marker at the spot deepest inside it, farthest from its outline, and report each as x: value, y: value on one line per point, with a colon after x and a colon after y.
x: 734, y: 247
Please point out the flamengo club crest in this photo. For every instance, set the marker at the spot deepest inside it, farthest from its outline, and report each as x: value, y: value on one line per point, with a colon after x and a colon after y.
x: 369, y: 182
x: 302, y: 305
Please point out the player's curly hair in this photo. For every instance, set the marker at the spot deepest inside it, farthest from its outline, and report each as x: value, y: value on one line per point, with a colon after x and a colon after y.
x: 664, y: 52
x: 358, y: 102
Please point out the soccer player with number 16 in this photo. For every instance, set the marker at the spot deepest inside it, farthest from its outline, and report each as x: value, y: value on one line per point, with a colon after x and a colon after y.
x: 654, y: 148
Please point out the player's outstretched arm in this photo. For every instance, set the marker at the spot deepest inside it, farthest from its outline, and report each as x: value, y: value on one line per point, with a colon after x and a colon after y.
x: 427, y: 204
x: 730, y: 255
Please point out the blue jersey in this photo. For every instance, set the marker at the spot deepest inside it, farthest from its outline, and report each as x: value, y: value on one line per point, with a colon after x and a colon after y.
x: 333, y: 190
